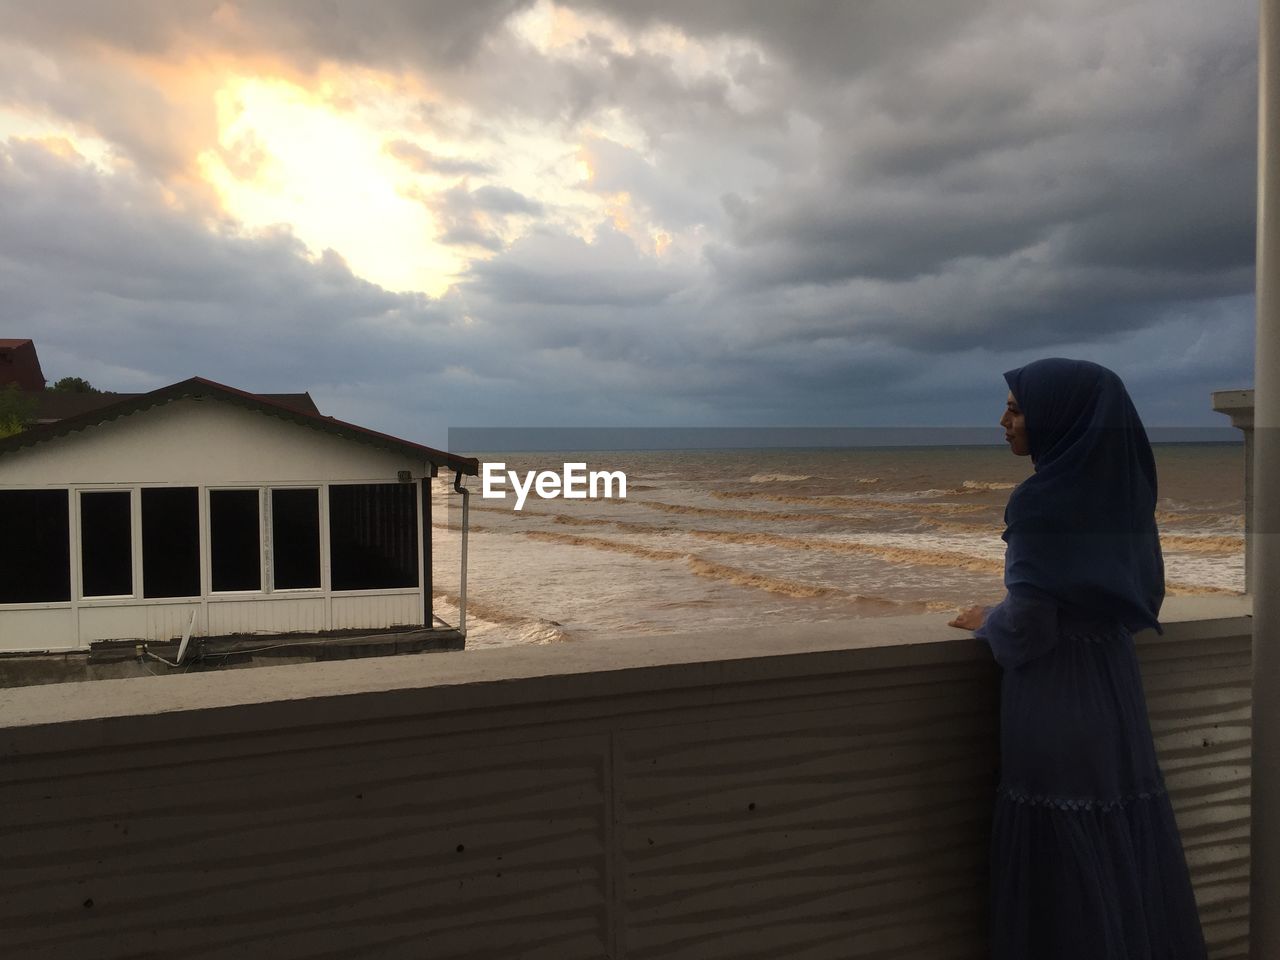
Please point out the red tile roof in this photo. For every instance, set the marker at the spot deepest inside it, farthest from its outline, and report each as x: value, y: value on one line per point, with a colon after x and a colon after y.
x: 19, y: 364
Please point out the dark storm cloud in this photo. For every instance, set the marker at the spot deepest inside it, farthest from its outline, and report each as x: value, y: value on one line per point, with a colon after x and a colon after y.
x: 820, y: 36
x: 386, y: 33
x: 552, y: 267
x: 1025, y: 184
x: 102, y: 267
x: 878, y: 207
x: 475, y: 217
x: 117, y: 286
x: 396, y: 33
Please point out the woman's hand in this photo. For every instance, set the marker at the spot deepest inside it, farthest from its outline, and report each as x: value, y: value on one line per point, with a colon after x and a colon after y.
x: 970, y: 618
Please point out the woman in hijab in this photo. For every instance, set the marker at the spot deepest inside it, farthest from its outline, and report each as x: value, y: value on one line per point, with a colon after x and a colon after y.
x: 1086, y: 862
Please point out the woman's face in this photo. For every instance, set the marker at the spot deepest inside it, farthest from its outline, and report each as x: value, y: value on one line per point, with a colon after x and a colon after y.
x: 1015, y: 428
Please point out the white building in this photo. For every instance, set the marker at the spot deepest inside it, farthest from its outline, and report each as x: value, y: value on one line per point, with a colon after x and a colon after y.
x: 198, y: 498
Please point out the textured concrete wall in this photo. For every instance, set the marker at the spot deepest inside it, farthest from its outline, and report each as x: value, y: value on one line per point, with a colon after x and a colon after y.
x: 760, y: 795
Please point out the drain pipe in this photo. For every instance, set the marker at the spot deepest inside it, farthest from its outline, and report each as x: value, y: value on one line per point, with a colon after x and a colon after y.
x: 466, y: 521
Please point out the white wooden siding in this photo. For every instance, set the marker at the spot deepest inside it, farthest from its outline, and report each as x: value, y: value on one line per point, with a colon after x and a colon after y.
x: 376, y: 609
x: 283, y: 613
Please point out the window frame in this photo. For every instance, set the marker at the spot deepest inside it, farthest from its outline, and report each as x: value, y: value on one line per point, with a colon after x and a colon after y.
x: 135, y: 543
x: 138, y: 597
x: 327, y: 540
x: 73, y: 568
x: 202, y: 528
x: 322, y: 519
x: 207, y: 536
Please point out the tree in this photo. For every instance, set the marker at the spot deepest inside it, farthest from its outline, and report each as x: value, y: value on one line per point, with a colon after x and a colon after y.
x: 17, y: 408
x: 74, y: 385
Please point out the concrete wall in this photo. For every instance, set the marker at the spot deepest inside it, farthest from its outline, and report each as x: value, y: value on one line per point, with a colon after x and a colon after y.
x: 817, y: 794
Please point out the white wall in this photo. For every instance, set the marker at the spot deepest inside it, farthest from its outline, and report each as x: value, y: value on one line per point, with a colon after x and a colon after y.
x: 199, y: 442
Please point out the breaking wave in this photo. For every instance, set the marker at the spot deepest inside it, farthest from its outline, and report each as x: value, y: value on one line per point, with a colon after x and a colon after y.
x: 699, y: 566
x: 532, y: 630
x: 757, y: 515
x: 1228, y: 543
x: 624, y: 525
x: 906, y: 506
x: 907, y: 556
x: 778, y: 477
x: 1174, y: 589
x: 1229, y: 520
x: 987, y: 485
x: 911, y: 556
x: 959, y: 526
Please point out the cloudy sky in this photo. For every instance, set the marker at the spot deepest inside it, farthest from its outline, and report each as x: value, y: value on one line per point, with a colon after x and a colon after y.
x: 437, y: 213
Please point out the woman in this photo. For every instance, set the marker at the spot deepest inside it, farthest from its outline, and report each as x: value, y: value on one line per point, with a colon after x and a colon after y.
x: 1086, y: 862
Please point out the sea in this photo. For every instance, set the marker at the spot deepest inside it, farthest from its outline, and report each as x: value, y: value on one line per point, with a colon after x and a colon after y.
x: 724, y: 539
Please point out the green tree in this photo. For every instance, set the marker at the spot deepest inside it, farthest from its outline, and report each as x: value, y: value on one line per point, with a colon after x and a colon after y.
x: 17, y: 408
x: 74, y: 385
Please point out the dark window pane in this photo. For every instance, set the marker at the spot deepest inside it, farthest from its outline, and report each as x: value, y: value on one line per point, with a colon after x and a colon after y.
x: 170, y: 542
x: 235, y: 550
x: 35, y: 553
x: 106, y: 544
x: 373, y: 535
x: 295, y: 538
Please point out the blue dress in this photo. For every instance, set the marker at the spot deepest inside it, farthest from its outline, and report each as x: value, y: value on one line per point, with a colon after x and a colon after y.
x: 1086, y: 861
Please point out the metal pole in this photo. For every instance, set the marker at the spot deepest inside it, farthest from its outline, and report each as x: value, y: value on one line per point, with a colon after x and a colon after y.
x: 1264, y: 886
x: 462, y: 589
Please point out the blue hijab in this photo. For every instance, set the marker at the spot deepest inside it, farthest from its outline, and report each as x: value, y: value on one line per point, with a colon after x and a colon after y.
x: 1081, y: 530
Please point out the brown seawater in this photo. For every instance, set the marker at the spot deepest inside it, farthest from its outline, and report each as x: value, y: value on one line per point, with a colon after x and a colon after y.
x: 733, y: 538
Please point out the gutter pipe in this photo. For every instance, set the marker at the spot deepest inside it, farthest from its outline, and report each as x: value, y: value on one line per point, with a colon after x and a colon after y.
x: 466, y: 522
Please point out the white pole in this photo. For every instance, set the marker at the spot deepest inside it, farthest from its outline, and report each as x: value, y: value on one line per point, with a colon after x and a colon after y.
x: 1264, y: 887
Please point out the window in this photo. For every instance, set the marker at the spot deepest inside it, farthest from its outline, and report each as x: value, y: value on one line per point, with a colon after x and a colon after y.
x: 35, y: 554
x: 373, y: 535
x: 295, y: 539
x: 235, y: 541
x: 170, y: 542
x: 106, y: 544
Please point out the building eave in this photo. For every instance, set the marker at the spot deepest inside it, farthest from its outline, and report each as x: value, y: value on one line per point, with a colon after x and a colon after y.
x: 200, y: 388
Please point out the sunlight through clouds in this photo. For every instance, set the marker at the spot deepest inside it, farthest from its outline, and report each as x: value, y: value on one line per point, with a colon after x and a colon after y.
x: 326, y: 175
x: 809, y: 194
x: 375, y: 186
x: 401, y: 182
